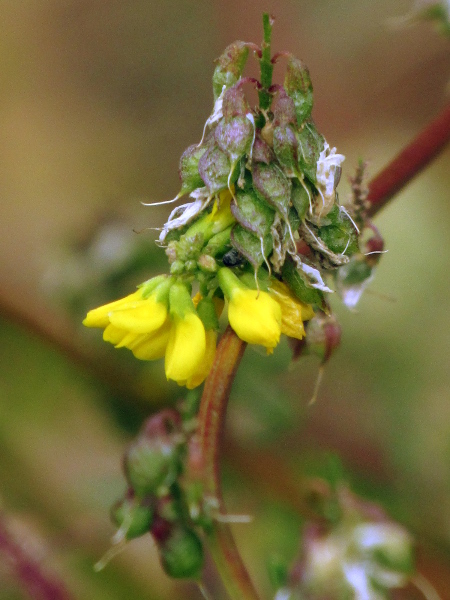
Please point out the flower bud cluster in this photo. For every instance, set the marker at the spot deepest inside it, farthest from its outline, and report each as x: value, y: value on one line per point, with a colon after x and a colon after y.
x: 155, y: 501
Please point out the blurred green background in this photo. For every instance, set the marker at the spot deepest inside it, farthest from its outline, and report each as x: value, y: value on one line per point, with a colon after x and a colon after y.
x: 98, y: 99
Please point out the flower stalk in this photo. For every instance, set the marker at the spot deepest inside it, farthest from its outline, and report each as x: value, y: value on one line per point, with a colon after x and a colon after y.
x: 212, y: 415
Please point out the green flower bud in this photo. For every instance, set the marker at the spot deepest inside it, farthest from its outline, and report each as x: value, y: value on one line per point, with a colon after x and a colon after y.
x: 177, y: 267
x: 188, y: 169
x: 253, y: 214
x: 207, y: 263
x: 153, y: 460
x: 272, y: 186
x: 151, y: 464
x: 135, y: 517
x: 297, y: 84
x: 219, y: 243
x: 229, y: 67
x: 311, y: 144
x: 181, y: 553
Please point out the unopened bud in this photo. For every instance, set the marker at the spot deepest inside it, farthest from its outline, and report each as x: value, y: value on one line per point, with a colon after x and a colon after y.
x: 133, y: 515
x: 181, y: 553
x: 153, y: 460
x: 207, y: 263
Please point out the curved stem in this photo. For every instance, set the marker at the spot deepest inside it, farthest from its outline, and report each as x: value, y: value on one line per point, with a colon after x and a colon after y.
x: 409, y: 162
x: 212, y: 414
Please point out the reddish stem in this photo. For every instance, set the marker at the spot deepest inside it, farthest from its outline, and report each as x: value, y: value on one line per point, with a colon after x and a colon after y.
x: 409, y: 162
x: 212, y: 414
x: 37, y: 584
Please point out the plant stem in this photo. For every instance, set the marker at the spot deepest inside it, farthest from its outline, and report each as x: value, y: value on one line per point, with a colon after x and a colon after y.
x: 28, y: 573
x: 411, y: 160
x: 212, y: 414
x: 266, y: 66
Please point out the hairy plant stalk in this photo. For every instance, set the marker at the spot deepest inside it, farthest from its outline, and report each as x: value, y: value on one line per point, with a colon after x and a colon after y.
x: 212, y: 415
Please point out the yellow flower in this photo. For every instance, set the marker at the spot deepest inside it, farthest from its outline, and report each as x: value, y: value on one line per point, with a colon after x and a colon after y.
x: 293, y: 311
x: 254, y: 315
x: 139, y: 321
x: 207, y: 361
x: 187, y: 339
x: 185, y: 349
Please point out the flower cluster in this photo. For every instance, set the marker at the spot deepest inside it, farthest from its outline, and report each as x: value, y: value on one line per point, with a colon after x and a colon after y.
x: 263, y: 231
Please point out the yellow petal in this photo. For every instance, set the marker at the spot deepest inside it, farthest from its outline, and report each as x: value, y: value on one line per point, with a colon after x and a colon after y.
x: 143, y: 316
x: 153, y: 345
x: 205, y: 365
x: 114, y: 335
x: 293, y: 311
x: 98, y: 317
x: 255, y: 317
x: 185, y: 348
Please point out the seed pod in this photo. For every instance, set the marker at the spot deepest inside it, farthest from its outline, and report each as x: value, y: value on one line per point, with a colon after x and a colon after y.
x: 136, y: 516
x: 300, y: 199
x: 188, y: 169
x: 252, y: 213
x: 234, y: 137
x: 295, y: 281
x: 256, y: 250
x: 285, y: 146
x: 214, y: 168
x: 234, y: 103
x: 262, y: 153
x: 311, y: 144
x: 283, y: 110
x: 340, y: 236
x: 181, y: 553
x: 229, y: 67
x: 272, y: 186
x: 297, y: 84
